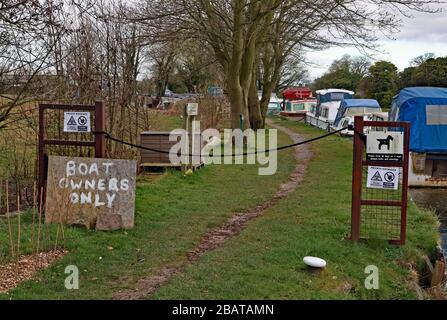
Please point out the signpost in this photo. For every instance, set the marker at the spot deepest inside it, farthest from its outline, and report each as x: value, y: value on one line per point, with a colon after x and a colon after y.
x: 192, y: 109
x: 76, y: 120
x: 95, y: 193
x: 190, y: 112
x: 379, y: 204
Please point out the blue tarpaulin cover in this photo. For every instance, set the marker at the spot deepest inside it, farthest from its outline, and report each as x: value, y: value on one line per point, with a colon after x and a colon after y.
x: 355, y: 103
x: 426, y: 109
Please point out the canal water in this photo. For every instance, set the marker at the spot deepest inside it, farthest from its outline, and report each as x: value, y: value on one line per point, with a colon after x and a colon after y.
x: 434, y: 199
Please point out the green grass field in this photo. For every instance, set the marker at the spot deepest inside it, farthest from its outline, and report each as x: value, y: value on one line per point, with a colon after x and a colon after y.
x: 172, y: 214
x: 264, y: 261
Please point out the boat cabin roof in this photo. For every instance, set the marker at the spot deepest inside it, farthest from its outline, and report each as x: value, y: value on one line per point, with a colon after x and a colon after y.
x: 360, y: 103
x: 352, y: 107
x: 407, y: 94
x: 297, y: 93
x: 381, y: 114
x: 302, y: 100
x: 326, y: 91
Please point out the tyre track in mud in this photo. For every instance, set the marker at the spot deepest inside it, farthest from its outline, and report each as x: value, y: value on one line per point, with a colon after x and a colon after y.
x: 232, y: 227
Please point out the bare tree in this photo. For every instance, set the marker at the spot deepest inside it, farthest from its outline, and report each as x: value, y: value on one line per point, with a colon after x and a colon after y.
x: 163, y: 57
x: 25, y: 49
x: 246, y: 33
x: 417, y: 61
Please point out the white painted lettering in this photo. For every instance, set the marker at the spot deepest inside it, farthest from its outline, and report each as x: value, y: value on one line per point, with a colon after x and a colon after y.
x: 101, y: 185
x: 110, y: 199
x: 124, y: 185
x: 97, y: 202
x: 74, y: 197
x: 86, y: 198
x: 90, y: 184
x: 94, y: 169
x: 107, y: 165
x: 71, y: 168
x: 83, y: 169
x: 113, y: 185
x: 75, y: 186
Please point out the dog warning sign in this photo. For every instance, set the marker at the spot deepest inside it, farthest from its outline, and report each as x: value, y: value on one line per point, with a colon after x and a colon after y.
x: 77, y: 122
x: 384, y: 146
x: 383, y: 178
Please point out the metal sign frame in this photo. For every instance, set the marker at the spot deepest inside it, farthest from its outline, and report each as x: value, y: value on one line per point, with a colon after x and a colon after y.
x: 98, y: 143
x: 359, y: 162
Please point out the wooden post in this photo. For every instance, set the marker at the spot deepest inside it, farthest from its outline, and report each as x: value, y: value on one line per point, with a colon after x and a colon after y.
x: 185, y: 126
x: 41, y: 152
x: 357, y: 179
x: 190, y: 138
x: 100, y: 138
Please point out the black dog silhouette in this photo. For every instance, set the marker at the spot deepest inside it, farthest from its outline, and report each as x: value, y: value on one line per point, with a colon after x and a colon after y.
x: 385, y: 142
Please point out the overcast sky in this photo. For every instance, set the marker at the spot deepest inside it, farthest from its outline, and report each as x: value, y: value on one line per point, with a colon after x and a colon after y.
x: 424, y: 33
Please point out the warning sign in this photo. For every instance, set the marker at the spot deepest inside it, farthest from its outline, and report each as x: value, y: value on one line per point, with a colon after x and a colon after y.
x: 377, y: 177
x: 77, y: 122
x: 384, y: 146
x: 383, y: 178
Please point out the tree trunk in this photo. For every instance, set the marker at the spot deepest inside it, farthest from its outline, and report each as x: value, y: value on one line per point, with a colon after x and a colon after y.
x: 236, y: 99
x: 272, y: 68
x: 256, y: 119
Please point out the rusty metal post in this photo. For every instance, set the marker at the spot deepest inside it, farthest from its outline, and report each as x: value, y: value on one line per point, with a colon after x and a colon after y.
x: 100, y: 137
x: 357, y: 179
x: 405, y: 171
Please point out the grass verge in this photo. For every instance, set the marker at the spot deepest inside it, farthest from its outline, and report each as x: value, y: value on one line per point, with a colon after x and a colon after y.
x: 172, y: 214
x: 265, y: 261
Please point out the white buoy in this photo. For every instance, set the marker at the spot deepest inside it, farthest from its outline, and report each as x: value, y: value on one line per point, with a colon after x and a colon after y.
x: 314, y: 262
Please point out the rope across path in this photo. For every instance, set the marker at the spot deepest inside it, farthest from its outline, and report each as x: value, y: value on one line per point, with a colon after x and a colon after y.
x: 295, y: 144
x: 215, y: 238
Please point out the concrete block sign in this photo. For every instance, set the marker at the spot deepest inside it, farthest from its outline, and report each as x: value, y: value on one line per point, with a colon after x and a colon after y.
x: 91, y: 192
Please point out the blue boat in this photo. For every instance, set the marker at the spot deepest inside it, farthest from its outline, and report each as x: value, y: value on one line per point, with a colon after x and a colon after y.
x: 349, y: 108
x: 426, y: 109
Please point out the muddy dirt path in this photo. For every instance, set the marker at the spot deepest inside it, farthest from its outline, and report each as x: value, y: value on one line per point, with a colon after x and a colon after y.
x: 231, y: 228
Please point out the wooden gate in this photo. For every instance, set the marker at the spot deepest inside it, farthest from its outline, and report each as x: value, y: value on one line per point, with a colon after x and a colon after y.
x: 379, y: 213
x: 54, y: 141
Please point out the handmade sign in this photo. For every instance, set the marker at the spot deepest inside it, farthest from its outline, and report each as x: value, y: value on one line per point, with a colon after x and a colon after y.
x: 96, y: 193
